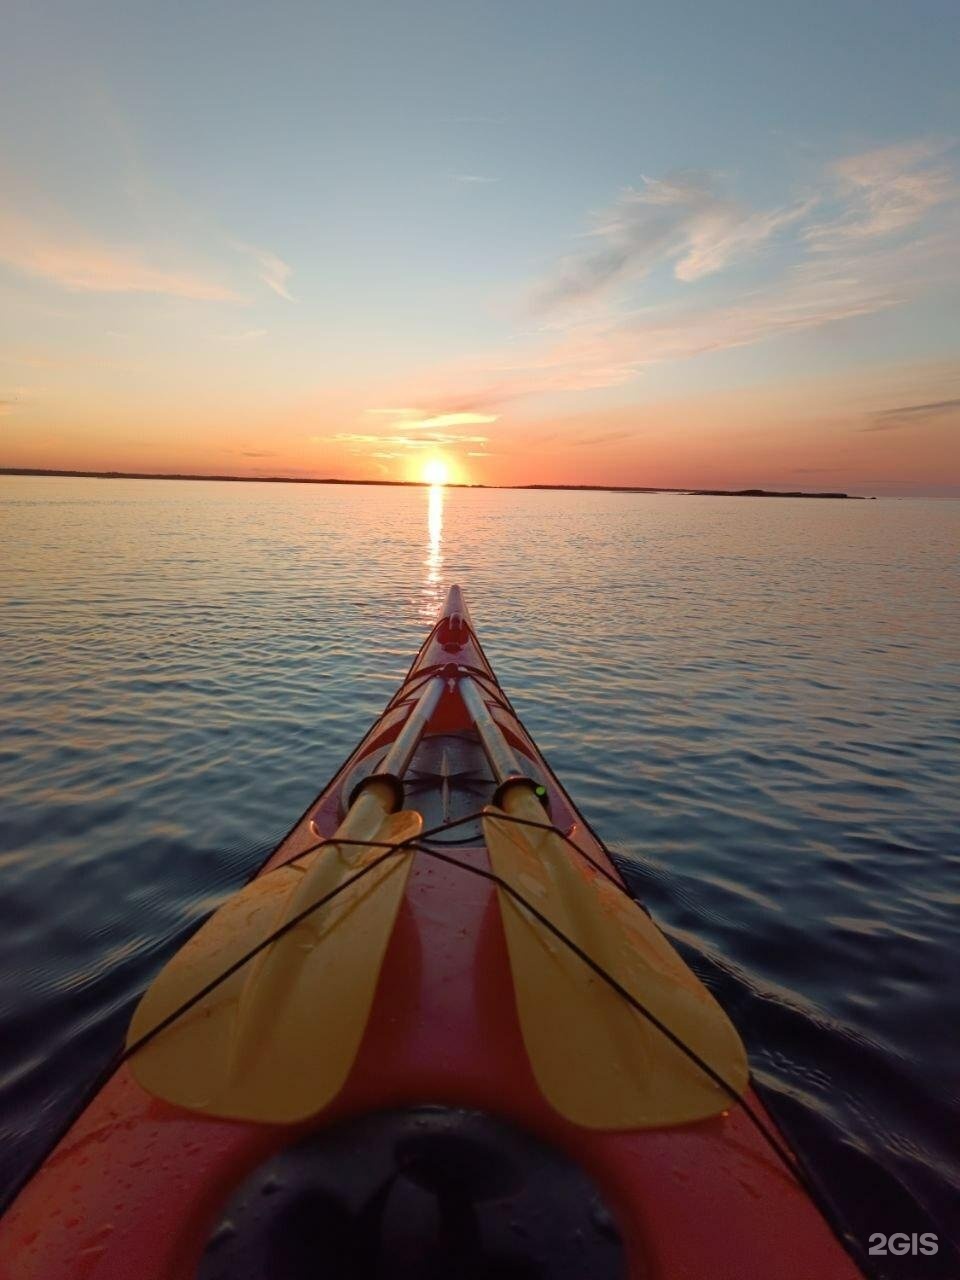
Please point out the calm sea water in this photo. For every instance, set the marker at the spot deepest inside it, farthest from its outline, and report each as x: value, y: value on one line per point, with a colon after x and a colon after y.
x: 755, y: 702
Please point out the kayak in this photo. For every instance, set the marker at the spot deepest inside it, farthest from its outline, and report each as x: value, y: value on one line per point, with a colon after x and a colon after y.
x: 433, y: 1037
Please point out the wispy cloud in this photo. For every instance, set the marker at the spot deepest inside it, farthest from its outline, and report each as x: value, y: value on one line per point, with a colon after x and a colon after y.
x: 363, y: 440
x: 681, y: 220
x: 271, y: 269
x: 416, y: 420
x: 81, y: 264
x: 885, y: 190
x: 614, y: 350
x: 593, y: 339
x: 412, y: 431
x: 455, y: 420
x: 478, y: 179
x: 252, y: 453
x: 912, y: 414
x: 433, y: 430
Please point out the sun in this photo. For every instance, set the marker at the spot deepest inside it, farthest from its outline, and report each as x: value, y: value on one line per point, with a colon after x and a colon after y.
x: 436, y: 471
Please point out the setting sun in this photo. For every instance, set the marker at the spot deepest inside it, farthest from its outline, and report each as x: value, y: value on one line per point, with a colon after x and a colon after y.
x: 436, y: 471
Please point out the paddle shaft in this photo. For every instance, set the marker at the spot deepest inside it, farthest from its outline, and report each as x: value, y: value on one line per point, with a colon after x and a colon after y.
x: 504, y: 763
x: 386, y: 783
x: 400, y: 754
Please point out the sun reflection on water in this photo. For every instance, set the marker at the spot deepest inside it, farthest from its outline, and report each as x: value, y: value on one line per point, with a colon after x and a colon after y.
x: 433, y: 562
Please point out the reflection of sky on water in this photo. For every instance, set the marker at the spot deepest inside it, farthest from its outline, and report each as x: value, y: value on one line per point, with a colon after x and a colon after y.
x: 433, y: 562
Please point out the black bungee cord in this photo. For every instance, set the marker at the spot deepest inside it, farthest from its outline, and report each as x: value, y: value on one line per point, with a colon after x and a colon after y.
x: 414, y: 845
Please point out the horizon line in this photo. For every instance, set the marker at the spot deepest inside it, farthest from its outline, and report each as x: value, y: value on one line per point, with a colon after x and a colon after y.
x: 425, y: 484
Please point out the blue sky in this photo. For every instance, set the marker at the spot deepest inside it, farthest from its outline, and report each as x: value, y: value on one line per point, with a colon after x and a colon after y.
x: 235, y: 229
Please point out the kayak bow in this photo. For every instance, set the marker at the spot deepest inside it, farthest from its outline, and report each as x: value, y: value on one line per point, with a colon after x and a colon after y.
x: 433, y: 1037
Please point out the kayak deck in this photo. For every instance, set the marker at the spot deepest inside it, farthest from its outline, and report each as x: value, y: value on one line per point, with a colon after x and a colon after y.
x: 142, y: 1187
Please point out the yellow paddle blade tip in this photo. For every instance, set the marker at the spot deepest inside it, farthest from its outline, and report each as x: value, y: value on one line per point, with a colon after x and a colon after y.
x: 598, y: 1060
x: 275, y: 1041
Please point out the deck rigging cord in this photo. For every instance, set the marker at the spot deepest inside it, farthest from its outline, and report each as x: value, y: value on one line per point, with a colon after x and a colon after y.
x: 415, y: 845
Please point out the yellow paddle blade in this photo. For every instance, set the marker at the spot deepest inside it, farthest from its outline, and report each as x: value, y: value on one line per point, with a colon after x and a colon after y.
x: 275, y: 1042
x: 598, y: 1061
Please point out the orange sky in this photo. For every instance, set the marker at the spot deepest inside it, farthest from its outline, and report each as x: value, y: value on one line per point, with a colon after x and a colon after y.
x: 742, y: 437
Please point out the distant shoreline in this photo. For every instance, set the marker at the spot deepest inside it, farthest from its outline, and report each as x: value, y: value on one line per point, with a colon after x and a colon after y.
x: 422, y: 484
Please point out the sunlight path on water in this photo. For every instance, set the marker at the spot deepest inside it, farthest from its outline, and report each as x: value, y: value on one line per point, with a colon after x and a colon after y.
x: 434, y: 587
